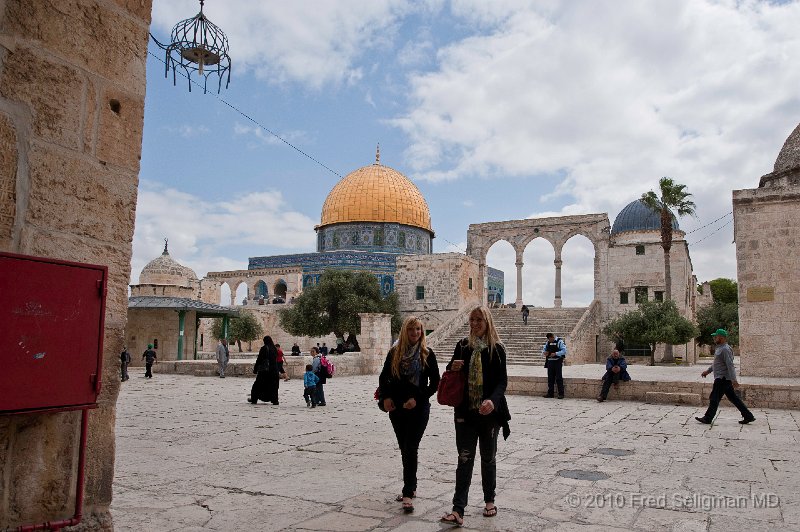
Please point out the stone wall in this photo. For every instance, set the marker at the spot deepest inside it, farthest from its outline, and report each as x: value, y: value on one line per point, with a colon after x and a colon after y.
x: 211, y: 285
x: 376, y: 334
x: 766, y: 228
x: 449, y: 280
x: 145, y: 326
x: 72, y: 82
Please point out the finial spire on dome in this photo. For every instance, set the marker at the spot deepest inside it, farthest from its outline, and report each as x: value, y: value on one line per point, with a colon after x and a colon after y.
x: 166, y: 242
x: 378, y: 154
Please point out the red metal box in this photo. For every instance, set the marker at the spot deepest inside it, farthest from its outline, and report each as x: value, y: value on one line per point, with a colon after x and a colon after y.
x: 51, y: 332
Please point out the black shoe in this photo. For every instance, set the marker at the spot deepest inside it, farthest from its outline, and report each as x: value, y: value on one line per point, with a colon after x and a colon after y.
x: 747, y: 420
x: 320, y: 404
x: 600, y: 398
x: 547, y: 396
x: 561, y: 396
x: 703, y: 420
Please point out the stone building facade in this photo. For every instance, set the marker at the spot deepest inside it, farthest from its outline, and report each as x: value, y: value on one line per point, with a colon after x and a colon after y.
x: 436, y: 287
x: 71, y: 117
x: 766, y: 224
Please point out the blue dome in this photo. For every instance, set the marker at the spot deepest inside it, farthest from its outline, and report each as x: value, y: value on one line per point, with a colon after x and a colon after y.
x: 636, y: 216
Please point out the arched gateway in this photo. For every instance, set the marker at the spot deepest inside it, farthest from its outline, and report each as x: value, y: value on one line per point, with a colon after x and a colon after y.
x: 556, y: 230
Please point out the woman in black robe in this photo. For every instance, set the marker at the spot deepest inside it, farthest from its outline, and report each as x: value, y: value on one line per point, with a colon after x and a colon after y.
x: 267, y: 381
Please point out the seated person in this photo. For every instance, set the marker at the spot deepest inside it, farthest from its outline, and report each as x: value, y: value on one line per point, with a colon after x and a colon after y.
x: 616, y: 370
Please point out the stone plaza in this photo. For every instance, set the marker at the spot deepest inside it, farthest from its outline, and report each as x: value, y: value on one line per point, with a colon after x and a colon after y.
x: 192, y: 454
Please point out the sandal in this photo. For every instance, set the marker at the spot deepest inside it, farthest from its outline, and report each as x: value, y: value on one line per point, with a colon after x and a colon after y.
x: 490, y: 512
x: 408, y: 506
x: 399, y: 498
x: 453, y: 519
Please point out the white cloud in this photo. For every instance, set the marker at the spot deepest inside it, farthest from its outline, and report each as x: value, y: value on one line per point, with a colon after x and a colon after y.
x: 613, y: 96
x: 200, y: 232
x: 293, y: 137
x: 314, y: 43
x: 188, y: 130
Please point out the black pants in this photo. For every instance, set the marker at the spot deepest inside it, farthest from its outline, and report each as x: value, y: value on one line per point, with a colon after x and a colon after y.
x: 723, y: 386
x: 310, y: 394
x: 148, y: 370
x: 608, y: 379
x: 471, y: 430
x: 525, y: 319
x: 409, y: 426
x: 554, y: 366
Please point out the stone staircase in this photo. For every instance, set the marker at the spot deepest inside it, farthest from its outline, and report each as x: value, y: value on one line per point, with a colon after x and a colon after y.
x: 523, y: 342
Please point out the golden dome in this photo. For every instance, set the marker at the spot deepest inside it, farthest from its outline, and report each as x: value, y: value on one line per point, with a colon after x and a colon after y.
x: 376, y: 193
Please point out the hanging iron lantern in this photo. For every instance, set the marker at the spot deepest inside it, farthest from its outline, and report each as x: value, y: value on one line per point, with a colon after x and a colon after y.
x: 197, y: 45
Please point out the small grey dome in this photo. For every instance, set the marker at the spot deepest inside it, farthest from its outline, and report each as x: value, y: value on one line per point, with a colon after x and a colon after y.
x: 789, y: 157
x: 637, y: 216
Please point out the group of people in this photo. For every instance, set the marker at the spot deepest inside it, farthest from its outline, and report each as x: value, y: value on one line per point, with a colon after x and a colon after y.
x: 269, y: 370
x: 409, y: 378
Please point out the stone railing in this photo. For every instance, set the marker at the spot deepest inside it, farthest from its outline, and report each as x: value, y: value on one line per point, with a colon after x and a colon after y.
x: 444, y: 330
x: 582, y: 339
x: 346, y: 365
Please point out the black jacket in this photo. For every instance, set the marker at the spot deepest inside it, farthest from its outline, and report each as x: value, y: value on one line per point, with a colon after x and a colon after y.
x: 267, y: 360
x: 495, y: 381
x: 401, y: 390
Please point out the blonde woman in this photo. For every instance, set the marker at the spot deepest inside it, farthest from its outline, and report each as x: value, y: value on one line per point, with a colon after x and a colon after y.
x: 409, y: 378
x: 482, y: 413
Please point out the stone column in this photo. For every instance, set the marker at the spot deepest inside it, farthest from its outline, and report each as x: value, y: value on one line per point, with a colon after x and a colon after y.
x: 482, y: 290
x: 558, y: 262
x: 376, y: 333
x: 519, y: 264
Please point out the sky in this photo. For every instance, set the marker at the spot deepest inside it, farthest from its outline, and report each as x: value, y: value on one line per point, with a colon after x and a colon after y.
x: 496, y: 110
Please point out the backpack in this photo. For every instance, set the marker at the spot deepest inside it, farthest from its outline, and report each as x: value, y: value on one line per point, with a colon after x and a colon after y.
x: 330, y: 368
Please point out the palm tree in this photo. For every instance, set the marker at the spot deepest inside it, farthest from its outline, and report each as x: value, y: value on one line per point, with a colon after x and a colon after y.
x: 673, y: 196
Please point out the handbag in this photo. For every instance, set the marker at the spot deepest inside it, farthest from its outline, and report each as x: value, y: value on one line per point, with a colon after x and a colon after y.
x: 450, y: 391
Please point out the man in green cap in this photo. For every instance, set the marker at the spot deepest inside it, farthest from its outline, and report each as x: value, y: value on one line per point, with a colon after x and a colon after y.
x: 724, y: 381
x: 149, y: 357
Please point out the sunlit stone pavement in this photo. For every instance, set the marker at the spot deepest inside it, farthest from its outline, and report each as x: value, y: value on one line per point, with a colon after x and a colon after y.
x: 192, y: 454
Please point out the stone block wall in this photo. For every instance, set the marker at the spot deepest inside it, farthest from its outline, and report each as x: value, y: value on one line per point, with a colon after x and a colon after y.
x: 147, y: 325
x: 766, y: 228
x: 376, y: 334
x: 72, y: 83
x: 450, y: 281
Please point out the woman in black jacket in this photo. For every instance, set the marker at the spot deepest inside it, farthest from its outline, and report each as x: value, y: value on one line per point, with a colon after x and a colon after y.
x: 266, y: 385
x: 482, y: 412
x: 410, y: 376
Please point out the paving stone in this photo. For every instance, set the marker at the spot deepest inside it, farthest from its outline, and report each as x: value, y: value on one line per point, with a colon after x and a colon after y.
x: 193, y: 455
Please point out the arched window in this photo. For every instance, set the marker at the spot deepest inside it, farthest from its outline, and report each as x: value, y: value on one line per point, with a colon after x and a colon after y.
x: 261, y: 289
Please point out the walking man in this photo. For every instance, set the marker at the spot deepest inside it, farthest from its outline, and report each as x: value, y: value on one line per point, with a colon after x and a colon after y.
x: 554, y: 350
x: 525, y: 312
x: 222, y: 357
x: 724, y: 381
x: 149, y: 357
x: 124, y: 359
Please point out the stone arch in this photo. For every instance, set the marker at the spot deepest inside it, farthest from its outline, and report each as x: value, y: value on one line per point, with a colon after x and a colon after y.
x: 500, y: 253
x: 225, y: 294
x: 535, y: 274
x: 578, y: 254
x: 280, y: 288
x: 260, y: 289
x: 242, y: 292
x: 557, y: 230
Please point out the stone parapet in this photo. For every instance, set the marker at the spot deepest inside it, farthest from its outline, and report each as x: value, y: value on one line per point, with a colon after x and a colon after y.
x: 346, y: 365
x: 667, y: 392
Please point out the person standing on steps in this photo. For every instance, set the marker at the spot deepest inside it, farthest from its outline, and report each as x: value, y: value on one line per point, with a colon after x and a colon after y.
x: 554, y: 350
x: 725, y: 382
x: 525, y: 312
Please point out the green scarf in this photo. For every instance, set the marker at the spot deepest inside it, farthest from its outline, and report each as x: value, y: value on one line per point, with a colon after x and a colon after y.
x: 475, y: 378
